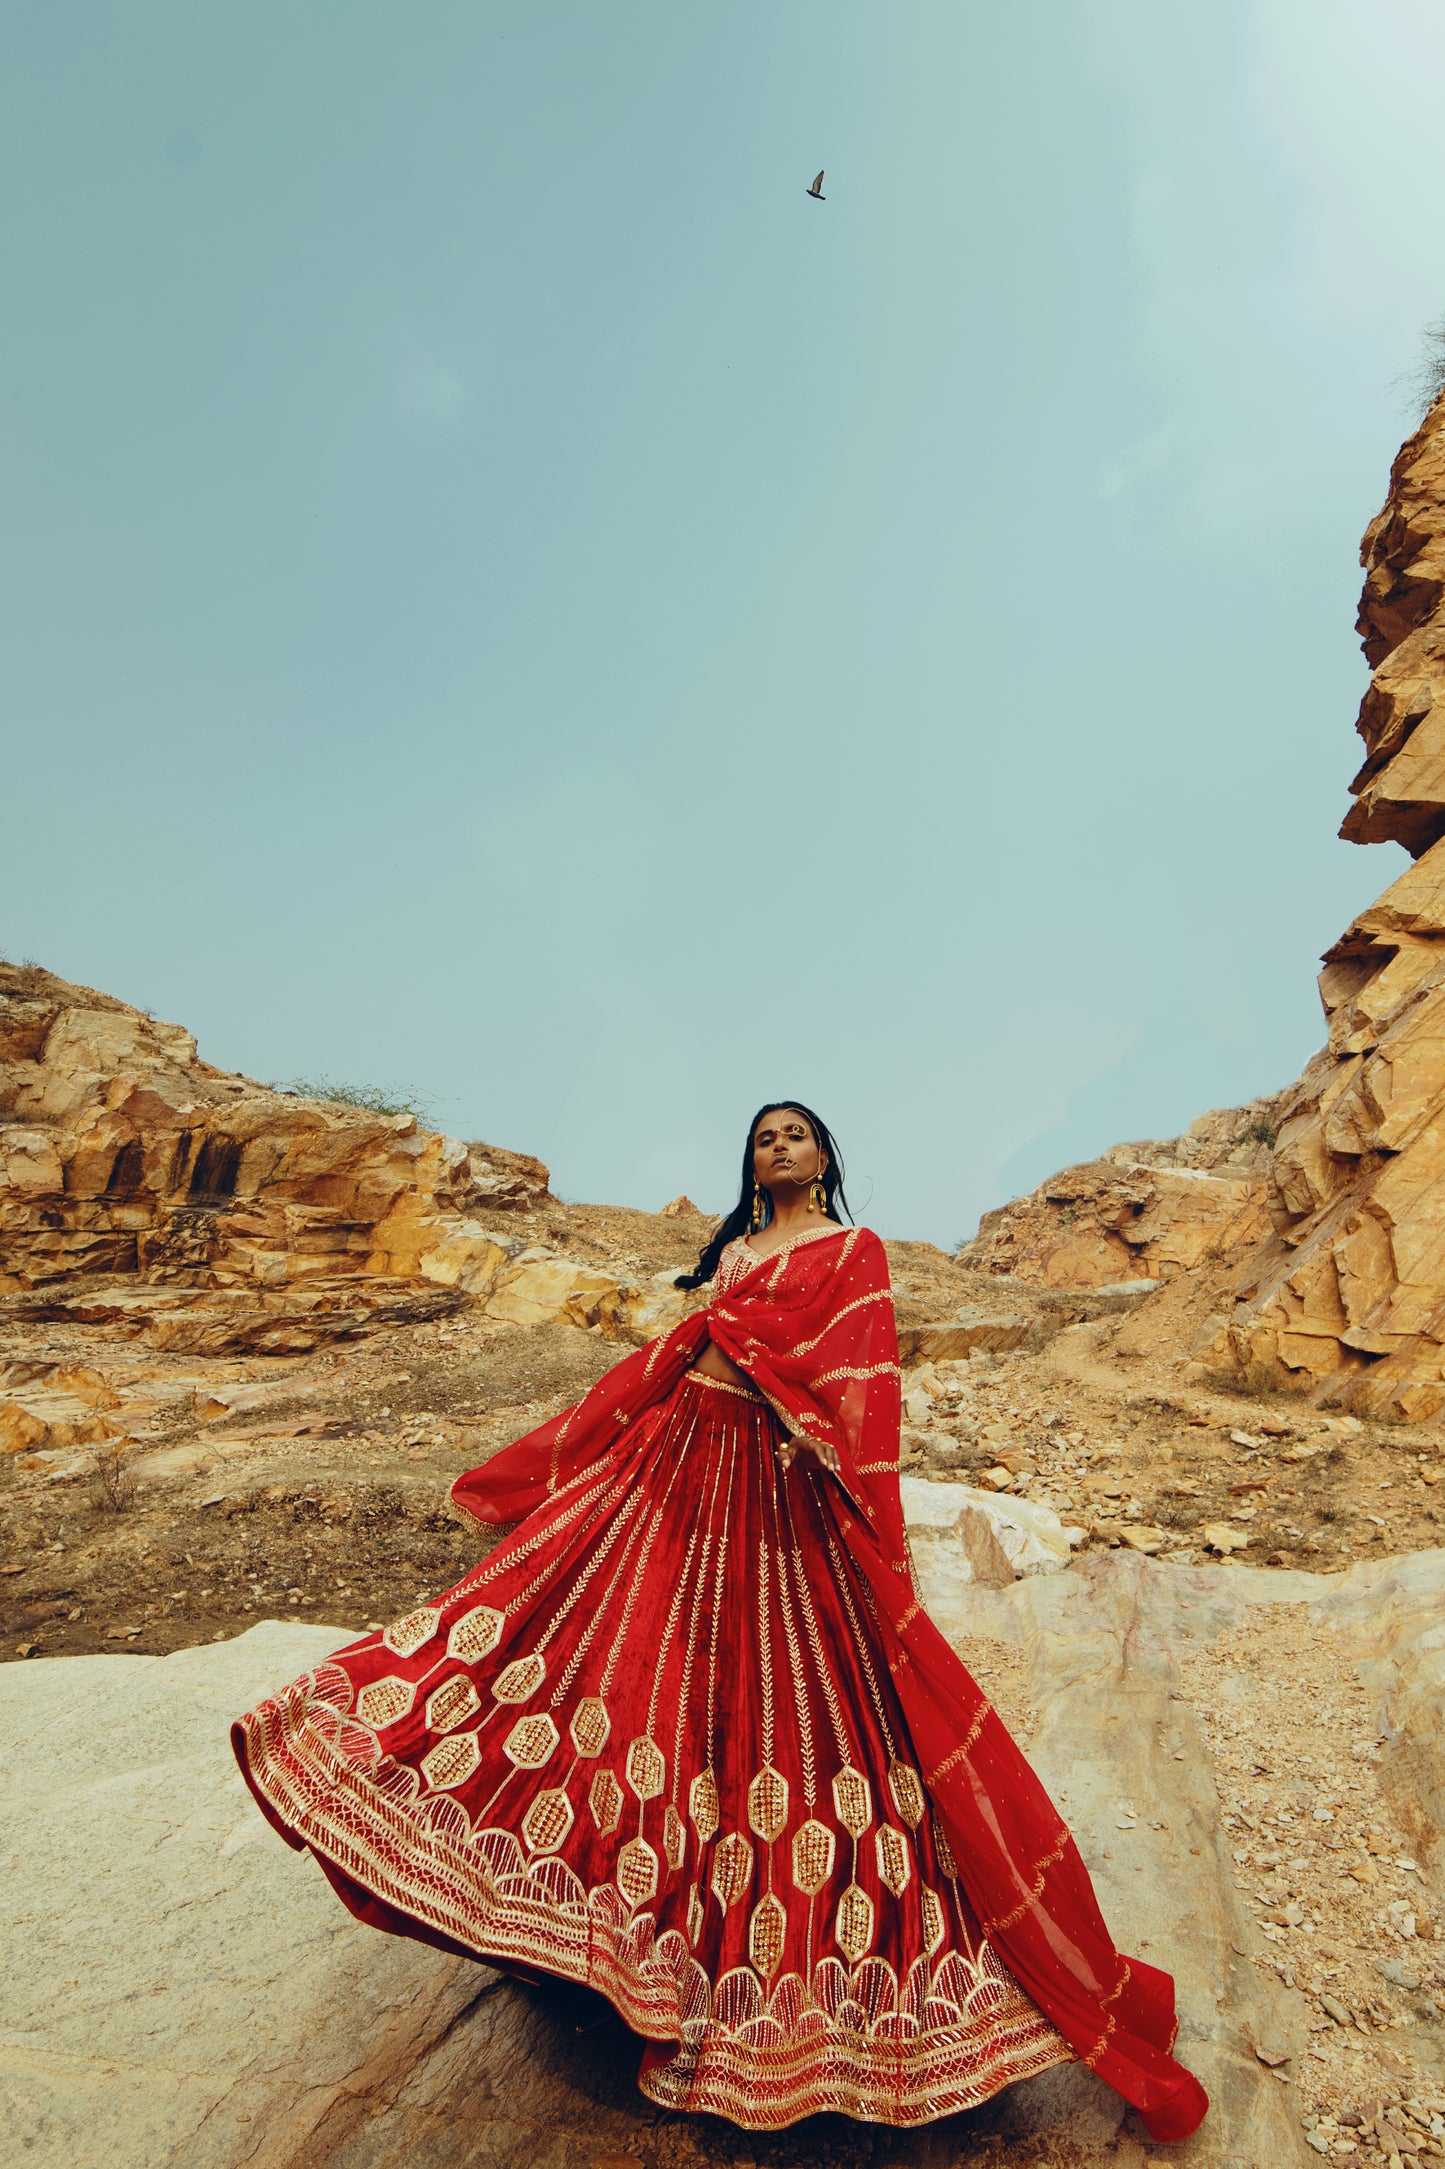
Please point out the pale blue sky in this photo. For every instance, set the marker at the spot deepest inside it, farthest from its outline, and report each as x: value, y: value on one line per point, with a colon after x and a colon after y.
x: 505, y: 596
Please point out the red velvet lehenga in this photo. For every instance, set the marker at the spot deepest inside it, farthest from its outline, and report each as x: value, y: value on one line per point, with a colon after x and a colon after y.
x: 687, y: 1735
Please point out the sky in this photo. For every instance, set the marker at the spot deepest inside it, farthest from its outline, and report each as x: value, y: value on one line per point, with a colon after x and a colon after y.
x: 504, y: 598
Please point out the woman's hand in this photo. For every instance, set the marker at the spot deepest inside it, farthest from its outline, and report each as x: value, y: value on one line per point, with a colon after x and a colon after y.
x: 818, y: 1447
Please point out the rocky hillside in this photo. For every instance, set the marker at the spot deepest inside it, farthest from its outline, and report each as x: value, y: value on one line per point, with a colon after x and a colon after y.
x: 1313, y: 1224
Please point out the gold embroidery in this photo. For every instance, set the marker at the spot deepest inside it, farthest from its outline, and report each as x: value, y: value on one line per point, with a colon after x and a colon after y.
x: 768, y: 1804
x: 405, y: 1636
x: 637, y: 1871
x: 999, y: 1922
x: 722, y: 1385
x: 732, y: 1868
x: 591, y: 1727
x: 531, y: 1741
x: 852, y: 1801
x: 451, y: 1761
x: 907, y: 1793
x: 674, y: 1837
x: 814, y: 1850
x: 932, y: 1919
x: 547, y: 1821
x: 452, y: 1704
x: 384, y: 1701
x: 859, y: 1302
x: 702, y: 1804
x: 604, y: 1798
x: 520, y: 1679
x: 476, y: 1633
x: 894, y: 1865
x: 767, y: 1936
x: 951, y: 1762
x: 646, y: 1768
x: 853, y: 1925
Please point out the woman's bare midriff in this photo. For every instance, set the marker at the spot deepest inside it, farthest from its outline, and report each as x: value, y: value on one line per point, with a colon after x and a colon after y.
x: 714, y: 1364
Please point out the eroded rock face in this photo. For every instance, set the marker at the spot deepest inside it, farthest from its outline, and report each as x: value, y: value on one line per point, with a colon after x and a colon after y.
x: 122, y: 1151
x: 1146, y: 1211
x: 1348, y: 1297
x: 1331, y: 1196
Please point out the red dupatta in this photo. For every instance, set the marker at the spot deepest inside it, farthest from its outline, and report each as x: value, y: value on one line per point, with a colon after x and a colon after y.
x: 813, y: 1328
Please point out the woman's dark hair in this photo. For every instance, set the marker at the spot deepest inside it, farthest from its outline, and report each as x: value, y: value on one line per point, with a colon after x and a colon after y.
x: 740, y: 1219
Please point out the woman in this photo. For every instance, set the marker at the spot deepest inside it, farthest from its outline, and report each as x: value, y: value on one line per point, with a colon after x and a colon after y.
x: 687, y: 1734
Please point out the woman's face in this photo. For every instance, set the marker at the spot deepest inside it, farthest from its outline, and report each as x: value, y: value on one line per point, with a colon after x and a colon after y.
x: 785, y: 1150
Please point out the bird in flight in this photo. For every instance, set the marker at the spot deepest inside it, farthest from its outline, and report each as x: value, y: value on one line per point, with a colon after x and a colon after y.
x: 816, y: 190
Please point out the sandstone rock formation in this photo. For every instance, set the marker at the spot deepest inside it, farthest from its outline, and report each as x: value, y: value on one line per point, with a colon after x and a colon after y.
x: 1330, y: 1198
x: 1145, y: 1211
x: 1348, y: 1297
x: 211, y: 1212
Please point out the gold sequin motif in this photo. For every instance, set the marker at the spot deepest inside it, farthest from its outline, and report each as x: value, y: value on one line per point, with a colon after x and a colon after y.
x: 674, y: 1837
x: 854, y: 1924
x: 451, y: 1762
x: 476, y: 1633
x: 702, y: 1804
x: 637, y: 1871
x: 522, y: 1677
x: 384, y: 1701
x: 530, y: 1741
x: 405, y: 1636
x: 768, y: 1803
x: 814, y: 1847
x: 646, y: 1769
x: 591, y: 1726
x: 894, y: 1866
x: 547, y: 1821
x: 767, y: 1936
x: 452, y: 1704
x: 604, y: 1797
x: 932, y: 1919
x: 852, y: 1801
x: 907, y: 1791
x: 732, y: 1868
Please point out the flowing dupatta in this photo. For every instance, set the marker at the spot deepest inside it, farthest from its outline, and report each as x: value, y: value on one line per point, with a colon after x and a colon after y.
x: 813, y: 1328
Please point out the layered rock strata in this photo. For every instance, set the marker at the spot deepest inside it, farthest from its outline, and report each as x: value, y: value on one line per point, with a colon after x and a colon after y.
x: 1145, y: 1211
x: 143, y: 1187
x: 1347, y: 1296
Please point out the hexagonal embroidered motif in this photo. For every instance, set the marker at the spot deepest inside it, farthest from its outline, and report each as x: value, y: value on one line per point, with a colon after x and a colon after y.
x: 604, y: 1797
x: 932, y: 1919
x: 476, y: 1633
x: 894, y: 1865
x: 530, y: 1741
x: 674, y: 1837
x: 405, y: 1636
x: 646, y: 1769
x: 702, y: 1804
x: 732, y: 1868
x: 384, y: 1701
x: 907, y: 1790
x: 547, y: 1821
x: 814, y: 1847
x: 451, y: 1762
x: 947, y: 1864
x: 768, y: 1802
x: 454, y: 1701
x: 852, y: 1801
x: 591, y: 1727
x: 522, y: 1677
x: 767, y: 1935
x: 854, y: 1924
x: 637, y: 1871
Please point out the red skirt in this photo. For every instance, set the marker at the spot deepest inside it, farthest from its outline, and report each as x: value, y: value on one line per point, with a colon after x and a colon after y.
x: 652, y: 1744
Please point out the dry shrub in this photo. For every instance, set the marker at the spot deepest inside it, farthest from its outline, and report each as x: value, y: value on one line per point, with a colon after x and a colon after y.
x: 113, y: 1490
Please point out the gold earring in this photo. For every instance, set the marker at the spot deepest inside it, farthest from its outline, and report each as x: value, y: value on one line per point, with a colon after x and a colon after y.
x: 757, y: 1203
x: 817, y: 1195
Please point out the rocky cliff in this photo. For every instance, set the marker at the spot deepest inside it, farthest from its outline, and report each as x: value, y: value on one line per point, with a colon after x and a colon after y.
x: 1327, y: 1202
